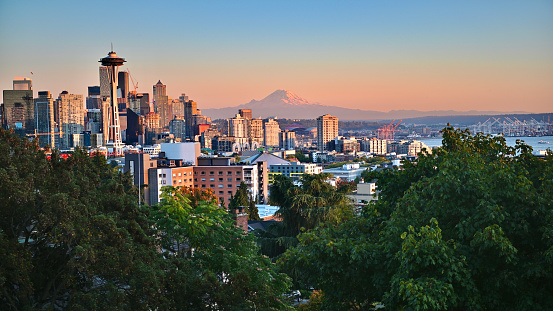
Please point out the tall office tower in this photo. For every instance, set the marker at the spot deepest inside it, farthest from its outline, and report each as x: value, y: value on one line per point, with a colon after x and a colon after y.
x: 287, y: 140
x: 238, y: 127
x: 162, y: 106
x: 104, y: 82
x: 152, y: 120
x: 123, y: 84
x: 256, y: 129
x: 245, y: 113
x: 134, y: 130
x: 327, y: 130
x: 93, y: 100
x: 177, y: 108
x: 71, y: 117
x: 114, y: 136
x: 271, y: 130
x: 190, y: 110
x: 18, y: 110
x: 44, y: 118
x: 208, y: 135
x: 123, y: 91
x: 178, y: 128
x: 22, y: 84
x: 144, y: 99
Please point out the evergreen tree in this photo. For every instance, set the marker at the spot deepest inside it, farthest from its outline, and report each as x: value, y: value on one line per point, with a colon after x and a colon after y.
x: 253, y: 212
x: 468, y: 227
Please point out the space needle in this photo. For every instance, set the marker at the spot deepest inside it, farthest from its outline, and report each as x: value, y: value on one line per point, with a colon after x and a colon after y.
x: 114, y: 136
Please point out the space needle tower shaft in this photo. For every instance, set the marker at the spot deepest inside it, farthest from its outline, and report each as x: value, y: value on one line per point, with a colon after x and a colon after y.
x: 112, y: 62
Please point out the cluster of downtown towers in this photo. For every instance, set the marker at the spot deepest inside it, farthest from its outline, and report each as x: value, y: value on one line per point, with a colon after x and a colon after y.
x: 68, y: 122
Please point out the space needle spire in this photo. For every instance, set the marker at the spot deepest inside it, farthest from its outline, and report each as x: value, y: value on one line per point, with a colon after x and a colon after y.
x: 114, y: 136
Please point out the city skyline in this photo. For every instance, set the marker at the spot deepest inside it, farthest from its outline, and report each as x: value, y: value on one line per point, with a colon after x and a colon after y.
x: 373, y: 56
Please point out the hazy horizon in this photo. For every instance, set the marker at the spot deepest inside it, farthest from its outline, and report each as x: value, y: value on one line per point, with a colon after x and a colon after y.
x: 382, y: 56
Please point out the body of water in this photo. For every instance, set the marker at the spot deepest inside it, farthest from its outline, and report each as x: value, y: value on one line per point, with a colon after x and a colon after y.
x: 533, y: 142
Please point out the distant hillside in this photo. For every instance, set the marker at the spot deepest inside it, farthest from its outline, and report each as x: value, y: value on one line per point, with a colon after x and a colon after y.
x: 287, y: 105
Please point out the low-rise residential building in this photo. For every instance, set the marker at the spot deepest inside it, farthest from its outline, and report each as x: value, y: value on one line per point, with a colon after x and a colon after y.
x: 293, y: 170
x: 168, y: 176
x: 366, y: 192
x: 224, y: 176
x: 347, y: 172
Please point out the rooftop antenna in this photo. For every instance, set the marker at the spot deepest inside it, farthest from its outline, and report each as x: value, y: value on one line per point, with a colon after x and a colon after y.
x: 112, y: 46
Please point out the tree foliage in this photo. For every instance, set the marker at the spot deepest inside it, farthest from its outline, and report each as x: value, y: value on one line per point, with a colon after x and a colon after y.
x: 243, y: 200
x: 204, y: 245
x: 469, y: 227
x: 301, y: 208
x: 71, y: 234
x: 73, y: 237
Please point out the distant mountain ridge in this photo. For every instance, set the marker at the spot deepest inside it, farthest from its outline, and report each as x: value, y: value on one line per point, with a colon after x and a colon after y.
x: 287, y: 105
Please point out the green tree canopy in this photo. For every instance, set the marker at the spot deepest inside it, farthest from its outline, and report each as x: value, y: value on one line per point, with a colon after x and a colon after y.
x: 301, y: 208
x: 243, y: 200
x: 215, y: 265
x: 469, y: 227
x: 73, y: 238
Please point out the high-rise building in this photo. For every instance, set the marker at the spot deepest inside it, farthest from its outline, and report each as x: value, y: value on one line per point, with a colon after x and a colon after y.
x: 178, y: 108
x: 22, y: 84
x: 18, y: 110
x: 70, y: 111
x: 245, y: 113
x: 287, y: 140
x: 93, y: 100
x: 177, y: 128
x: 190, y: 110
x: 327, y: 130
x: 256, y: 129
x: 144, y: 99
x: 123, y: 84
x: 162, y: 104
x: 271, y: 130
x: 44, y: 118
x: 238, y: 126
x: 134, y: 127
x: 104, y: 81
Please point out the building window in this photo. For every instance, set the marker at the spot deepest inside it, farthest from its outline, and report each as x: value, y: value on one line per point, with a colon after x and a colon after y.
x: 195, y: 179
x: 221, y: 186
x: 211, y: 186
x: 229, y: 192
x: 212, y: 179
x: 180, y: 174
x: 203, y: 173
x: 221, y: 192
x: 203, y: 179
x: 174, y: 175
x: 229, y: 179
x: 212, y: 173
x: 229, y: 173
x: 238, y: 179
x: 203, y: 186
x: 180, y: 181
x: 229, y: 185
x: 220, y: 179
x: 220, y: 172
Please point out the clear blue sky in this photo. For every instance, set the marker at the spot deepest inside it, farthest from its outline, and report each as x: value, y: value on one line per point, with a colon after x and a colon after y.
x: 374, y: 55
